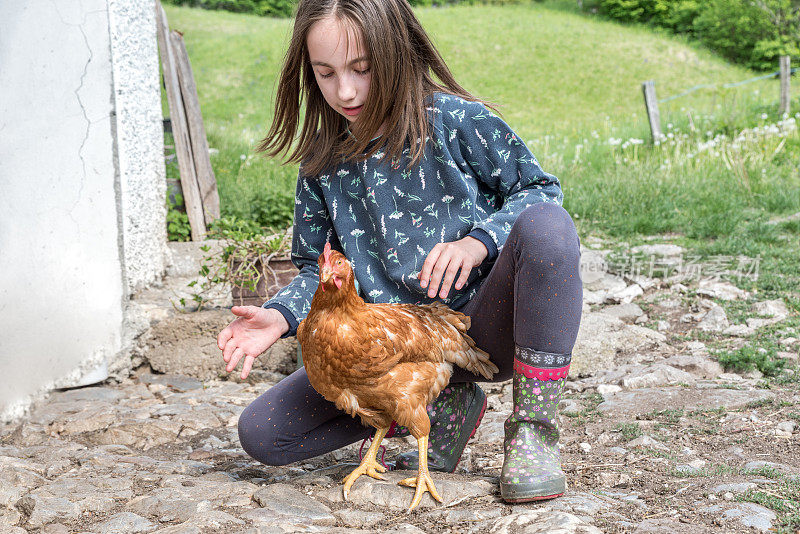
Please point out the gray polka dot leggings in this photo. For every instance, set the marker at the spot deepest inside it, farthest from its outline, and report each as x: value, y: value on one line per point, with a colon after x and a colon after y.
x: 532, y: 298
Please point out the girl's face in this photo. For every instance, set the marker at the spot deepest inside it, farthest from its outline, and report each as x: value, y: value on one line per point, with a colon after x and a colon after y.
x: 342, y: 72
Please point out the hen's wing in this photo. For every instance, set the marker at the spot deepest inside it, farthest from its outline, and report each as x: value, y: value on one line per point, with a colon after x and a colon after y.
x: 423, y: 333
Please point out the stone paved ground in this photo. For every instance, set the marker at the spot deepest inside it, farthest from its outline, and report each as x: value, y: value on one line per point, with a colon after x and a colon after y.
x: 657, y: 438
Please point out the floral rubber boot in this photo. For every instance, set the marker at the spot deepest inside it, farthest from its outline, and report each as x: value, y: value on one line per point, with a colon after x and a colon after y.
x: 455, y: 416
x: 532, y: 465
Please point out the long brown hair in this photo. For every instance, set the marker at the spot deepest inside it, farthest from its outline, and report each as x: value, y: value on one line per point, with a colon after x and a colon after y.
x: 403, y: 61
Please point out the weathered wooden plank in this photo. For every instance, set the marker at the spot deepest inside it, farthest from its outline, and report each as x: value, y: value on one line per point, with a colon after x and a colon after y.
x: 180, y: 130
x: 786, y: 74
x: 651, y: 104
x: 197, y: 132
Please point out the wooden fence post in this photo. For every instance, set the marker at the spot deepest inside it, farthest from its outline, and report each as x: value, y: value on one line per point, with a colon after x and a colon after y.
x: 786, y: 73
x: 197, y: 132
x: 651, y: 104
x: 180, y: 130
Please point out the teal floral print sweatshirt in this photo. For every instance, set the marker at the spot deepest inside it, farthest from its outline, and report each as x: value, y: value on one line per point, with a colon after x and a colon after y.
x: 475, y: 178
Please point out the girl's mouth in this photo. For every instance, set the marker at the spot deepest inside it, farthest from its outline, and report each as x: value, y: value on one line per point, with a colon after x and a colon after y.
x: 352, y: 111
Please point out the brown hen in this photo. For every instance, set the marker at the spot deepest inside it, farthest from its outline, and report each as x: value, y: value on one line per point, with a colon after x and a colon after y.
x: 383, y: 362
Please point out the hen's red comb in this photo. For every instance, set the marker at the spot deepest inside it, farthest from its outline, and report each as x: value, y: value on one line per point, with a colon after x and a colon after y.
x: 326, y: 253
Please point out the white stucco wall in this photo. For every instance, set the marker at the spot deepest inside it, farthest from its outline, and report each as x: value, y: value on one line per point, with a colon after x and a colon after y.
x: 74, y: 178
x: 140, y: 140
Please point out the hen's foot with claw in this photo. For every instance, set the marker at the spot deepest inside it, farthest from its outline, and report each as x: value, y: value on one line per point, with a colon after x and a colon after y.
x: 423, y: 481
x: 369, y: 465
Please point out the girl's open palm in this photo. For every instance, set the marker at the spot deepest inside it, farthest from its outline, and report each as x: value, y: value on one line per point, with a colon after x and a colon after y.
x: 250, y: 334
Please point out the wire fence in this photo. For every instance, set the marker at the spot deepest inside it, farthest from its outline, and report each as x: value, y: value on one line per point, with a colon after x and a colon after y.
x: 651, y: 102
x: 724, y: 86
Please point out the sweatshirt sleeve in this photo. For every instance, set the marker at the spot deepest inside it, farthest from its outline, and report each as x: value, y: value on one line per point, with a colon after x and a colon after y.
x: 499, y: 159
x: 312, y: 228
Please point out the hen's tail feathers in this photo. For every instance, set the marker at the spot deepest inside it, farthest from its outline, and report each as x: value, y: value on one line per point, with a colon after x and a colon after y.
x: 466, y: 354
x: 476, y: 360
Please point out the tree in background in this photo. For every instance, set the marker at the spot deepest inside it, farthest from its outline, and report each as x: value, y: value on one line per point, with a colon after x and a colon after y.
x: 785, y: 18
x: 750, y: 32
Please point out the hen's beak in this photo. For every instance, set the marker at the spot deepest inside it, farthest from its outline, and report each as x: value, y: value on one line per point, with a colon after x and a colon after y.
x: 325, y: 274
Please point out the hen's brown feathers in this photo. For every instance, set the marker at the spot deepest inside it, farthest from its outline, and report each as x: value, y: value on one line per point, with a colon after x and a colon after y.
x: 383, y: 362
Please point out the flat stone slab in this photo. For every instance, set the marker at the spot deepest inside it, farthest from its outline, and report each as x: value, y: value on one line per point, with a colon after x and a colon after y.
x: 358, y: 518
x: 642, y: 401
x: 542, y: 522
x: 86, y: 394
x: 180, y: 383
x: 737, y: 487
x: 669, y: 526
x: 752, y: 515
x: 763, y: 464
x: 581, y: 504
x: 43, y: 510
x: 370, y: 492
x: 180, y: 502
x: 125, y: 522
x: 270, y: 522
x: 603, y: 341
x: 465, y: 515
x: 285, y: 500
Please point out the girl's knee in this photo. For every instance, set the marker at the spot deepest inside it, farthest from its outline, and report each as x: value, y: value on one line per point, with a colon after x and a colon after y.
x: 259, y: 439
x: 547, y: 231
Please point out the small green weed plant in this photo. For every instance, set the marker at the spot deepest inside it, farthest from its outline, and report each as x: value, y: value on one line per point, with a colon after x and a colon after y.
x: 178, y: 228
x: 240, y: 260
x: 628, y: 431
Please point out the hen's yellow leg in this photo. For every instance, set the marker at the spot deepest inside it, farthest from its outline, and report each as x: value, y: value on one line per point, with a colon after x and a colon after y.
x: 369, y: 465
x: 422, y: 481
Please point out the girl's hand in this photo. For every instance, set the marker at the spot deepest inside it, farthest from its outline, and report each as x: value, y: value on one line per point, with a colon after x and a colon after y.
x: 446, y: 259
x: 251, y: 333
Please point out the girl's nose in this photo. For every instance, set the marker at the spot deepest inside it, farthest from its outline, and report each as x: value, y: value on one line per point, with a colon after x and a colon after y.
x: 347, y: 89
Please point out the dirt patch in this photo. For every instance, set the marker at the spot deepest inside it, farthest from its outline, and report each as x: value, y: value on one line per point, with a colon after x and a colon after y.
x: 187, y: 344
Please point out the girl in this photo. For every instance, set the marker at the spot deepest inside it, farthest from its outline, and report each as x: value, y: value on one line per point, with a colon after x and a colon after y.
x: 429, y: 195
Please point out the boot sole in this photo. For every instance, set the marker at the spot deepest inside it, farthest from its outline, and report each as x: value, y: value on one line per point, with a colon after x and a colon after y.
x: 532, y: 499
x: 517, y: 493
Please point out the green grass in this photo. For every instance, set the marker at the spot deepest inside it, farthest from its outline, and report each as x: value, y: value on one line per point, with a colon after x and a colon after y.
x: 760, y: 351
x: 718, y: 469
x: 628, y: 431
x: 670, y: 415
x: 554, y: 73
x: 783, y: 499
x: 589, y: 412
x: 236, y: 59
x: 570, y: 85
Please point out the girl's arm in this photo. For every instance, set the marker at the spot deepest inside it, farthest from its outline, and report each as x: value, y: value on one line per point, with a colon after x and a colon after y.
x: 312, y: 228
x: 497, y: 157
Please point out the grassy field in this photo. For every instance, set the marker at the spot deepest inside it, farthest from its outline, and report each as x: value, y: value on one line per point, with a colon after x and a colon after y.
x: 554, y: 73
x: 570, y: 85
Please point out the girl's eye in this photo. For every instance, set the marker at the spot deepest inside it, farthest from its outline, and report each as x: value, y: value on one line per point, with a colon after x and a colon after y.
x: 326, y: 75
x: 363, y: 72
